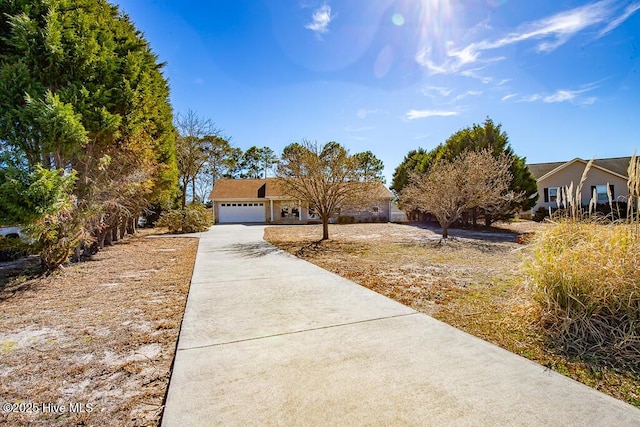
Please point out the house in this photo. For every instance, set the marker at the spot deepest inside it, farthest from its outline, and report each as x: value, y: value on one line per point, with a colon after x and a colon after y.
x: 265, y: 201
x: 551, y: 177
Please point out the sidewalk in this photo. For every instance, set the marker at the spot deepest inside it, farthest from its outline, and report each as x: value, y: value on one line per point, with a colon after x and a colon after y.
x: 268, y: 339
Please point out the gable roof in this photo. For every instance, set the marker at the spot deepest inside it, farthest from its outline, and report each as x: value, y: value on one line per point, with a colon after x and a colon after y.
x: 226, y: 188
x: 615, y: 165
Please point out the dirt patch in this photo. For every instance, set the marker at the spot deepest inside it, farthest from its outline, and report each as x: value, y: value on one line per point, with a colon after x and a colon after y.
x: 471, y: 281
x: 93, y: 344
x: 410, y: 264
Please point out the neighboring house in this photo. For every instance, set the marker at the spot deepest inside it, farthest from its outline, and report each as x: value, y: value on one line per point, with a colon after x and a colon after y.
x: 265, y: 201
x: 604, y: 172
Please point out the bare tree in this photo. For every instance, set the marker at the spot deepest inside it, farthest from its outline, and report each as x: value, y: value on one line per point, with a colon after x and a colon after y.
x: 475, y: 179
x: 190, y: 148
x: 326, y: 178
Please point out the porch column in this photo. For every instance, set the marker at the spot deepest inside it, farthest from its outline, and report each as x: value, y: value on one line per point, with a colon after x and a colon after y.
x: 299, y: 210
x: 271, y: 208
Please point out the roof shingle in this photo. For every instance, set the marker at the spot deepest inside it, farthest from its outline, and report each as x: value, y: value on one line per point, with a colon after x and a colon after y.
x: 618, y: 165
x: 226, y: 188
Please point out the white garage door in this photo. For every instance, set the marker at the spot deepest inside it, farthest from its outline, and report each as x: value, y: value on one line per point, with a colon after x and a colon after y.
x: 241, y: 212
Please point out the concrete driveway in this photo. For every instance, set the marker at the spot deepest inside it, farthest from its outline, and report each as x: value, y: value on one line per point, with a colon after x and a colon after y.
x: 268, y: 339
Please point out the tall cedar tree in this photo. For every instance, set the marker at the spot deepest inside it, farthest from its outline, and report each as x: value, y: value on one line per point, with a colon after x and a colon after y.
x: 80, y: 89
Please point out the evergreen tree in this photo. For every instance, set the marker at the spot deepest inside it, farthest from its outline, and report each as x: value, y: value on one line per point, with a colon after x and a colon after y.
x: 487, y: 136
x: 415, y: 161
x: 251, y: 163
x: 369, y: 166
x: 81, y: 90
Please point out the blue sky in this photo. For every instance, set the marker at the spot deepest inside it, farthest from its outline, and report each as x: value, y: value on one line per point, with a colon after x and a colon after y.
x: 562, y: 77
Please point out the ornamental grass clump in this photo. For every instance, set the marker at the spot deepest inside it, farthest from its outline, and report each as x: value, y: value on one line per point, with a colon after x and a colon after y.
x: 585, y: 279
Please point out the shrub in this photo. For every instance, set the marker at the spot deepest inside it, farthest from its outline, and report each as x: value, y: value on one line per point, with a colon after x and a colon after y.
x: 12, y: 247
x: 586, y: 282
x: 345, y: 219
x: 540, y: 214
x: 193, y: 219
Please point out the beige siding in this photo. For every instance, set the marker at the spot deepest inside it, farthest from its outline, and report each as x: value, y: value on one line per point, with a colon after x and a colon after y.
x: 375, y: 210
x: 573, y: 173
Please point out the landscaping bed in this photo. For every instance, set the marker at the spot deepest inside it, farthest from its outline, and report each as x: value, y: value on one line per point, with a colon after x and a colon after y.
x: 472, y: 281
x: 93, y: 343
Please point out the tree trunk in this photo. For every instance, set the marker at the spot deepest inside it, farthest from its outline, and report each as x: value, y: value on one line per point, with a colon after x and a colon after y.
x: 100, y: 241
x: 131, y: 225
x: 184, y: 193
x: 325, y: 228
x: 475, y: 217
x: 123, y: 228
x: 445, y: 232
x: 107, y: 237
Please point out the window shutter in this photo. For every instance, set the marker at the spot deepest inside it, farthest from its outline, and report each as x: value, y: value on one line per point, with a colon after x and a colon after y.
x: 546, y: 195
x: 613, y: 194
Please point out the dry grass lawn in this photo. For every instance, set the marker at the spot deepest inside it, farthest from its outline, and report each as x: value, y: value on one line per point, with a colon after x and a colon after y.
x: 99, y: 336
x: 472, y: 282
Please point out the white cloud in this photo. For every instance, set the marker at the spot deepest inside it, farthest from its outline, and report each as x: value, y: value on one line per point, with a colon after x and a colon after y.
x: 466, y: 94
x: 561, y: 95
x: 531, y: 98
x: 630, y: 10
x: 321, y: 19
x: 509, y: 96
x: 421, y: 114
x: 549, y: 33
x: 440, y: 90
x: 473, y: 73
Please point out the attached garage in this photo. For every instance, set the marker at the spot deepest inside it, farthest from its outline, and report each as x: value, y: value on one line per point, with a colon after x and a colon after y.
x: 241, y: 212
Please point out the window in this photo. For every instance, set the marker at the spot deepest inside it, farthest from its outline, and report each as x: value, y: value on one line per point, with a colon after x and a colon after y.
x: 551, y: 195
x: 375, y: 209
x: 600, y: 192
